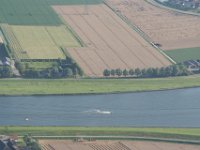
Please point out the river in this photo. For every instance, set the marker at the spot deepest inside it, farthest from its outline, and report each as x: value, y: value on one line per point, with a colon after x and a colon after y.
x: 173, y: 108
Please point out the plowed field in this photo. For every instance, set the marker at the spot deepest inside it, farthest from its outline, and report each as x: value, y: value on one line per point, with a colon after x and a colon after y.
x: 113, y: 145
x: 110, y: 42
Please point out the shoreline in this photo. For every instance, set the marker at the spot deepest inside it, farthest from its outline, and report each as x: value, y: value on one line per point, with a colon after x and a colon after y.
x: 67, y: 131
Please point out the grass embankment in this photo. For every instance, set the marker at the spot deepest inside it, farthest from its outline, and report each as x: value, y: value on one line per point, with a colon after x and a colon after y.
x: 181, y: 55
x: 92, y: 86
x: 178, y: 133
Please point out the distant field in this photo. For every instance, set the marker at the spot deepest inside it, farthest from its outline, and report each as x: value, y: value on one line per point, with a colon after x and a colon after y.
x: 92, y: 86
x: 171, y: 29
x: 38, y: 42
x: 34, y: 12
x: 181, y: 55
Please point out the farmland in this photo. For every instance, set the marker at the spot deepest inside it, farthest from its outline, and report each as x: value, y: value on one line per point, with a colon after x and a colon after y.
x: 171, y: 29
x: 181, y: 55
x: 112, y: 145
x: 38, y: 42
x: 110, y: 42
x: 37, y: 12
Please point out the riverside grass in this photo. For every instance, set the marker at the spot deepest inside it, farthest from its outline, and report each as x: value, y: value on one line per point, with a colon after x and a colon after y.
x: 19, y: 87
x: 181, y: 55
x: 182, y: 133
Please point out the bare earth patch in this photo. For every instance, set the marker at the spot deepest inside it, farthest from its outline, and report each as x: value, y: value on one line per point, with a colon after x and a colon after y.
x: 113, y: 145
x: 110, y: 42
x: 171, y: 29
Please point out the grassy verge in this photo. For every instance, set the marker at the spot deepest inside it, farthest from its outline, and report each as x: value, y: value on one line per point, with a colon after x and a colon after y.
x: 178, y: 133
x: 92, y: 86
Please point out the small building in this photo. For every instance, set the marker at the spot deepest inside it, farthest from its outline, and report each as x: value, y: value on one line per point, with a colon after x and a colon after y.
x: 192, y: 65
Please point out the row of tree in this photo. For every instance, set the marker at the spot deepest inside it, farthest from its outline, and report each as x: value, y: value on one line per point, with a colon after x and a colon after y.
x: 174, y: 70
x: 59, y: 69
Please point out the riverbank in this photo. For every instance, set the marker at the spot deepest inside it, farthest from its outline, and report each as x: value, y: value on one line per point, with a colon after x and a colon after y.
x: 25, y: 87
x: 175, y: 133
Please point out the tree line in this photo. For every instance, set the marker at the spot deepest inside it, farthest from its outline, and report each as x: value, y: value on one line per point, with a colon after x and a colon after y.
x: 6, y: 72
x: 173, y: 70
x: 60, y: 69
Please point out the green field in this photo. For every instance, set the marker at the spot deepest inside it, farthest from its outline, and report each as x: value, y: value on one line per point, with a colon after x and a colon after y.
x: 181, y: 55
x: 91, y: 86
x: 179, y: 133
x: 38, y: 42
x: 34, y: 12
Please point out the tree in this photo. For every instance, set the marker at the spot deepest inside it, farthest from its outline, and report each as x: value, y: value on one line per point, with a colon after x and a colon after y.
x: 149, y: 72
x: 118, y: 72
x: 155, y: 72
x: 7, y: 72
x: 113, y: 72
x: 144, y: 73
x: 131, y: 72
x: 20, y: 66
x: 137, y: 72
x: 106, y: 73
x: 67, y: 72
x: 162, y: 72
x: 175, y: 70
x: 125, y: 72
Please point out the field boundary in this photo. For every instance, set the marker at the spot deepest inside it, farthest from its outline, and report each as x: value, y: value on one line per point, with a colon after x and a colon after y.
x: 136, y: 138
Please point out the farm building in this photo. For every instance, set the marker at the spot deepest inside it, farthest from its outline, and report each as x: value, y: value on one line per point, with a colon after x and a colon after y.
x: 192, y: 65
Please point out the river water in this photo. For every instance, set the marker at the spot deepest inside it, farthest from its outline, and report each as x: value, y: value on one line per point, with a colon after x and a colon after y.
x: 174, y: 108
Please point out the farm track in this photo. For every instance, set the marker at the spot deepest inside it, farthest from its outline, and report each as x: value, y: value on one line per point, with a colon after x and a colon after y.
x: 110, y: 42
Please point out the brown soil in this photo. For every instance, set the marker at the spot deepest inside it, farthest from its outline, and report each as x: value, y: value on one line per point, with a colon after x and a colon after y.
x: 111, y: 43
x: 171, y: 29
x: 113, y: 145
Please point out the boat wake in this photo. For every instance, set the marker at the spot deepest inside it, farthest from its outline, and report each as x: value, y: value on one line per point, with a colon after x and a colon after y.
x: 98, y: 111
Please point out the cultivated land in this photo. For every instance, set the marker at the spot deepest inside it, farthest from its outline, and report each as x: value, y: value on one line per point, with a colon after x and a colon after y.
x: 171, y: 29
x: 110, y: 42
x: 38, y: 42
x: 112, y: 145
x: 92, y: 86
x: 181, y: 55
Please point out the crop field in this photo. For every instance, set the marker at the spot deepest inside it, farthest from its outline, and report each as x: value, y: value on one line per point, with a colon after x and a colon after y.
x: 171, y: 29
x: 110, y: 42
x: 113, y: 145
x: 181, y: 55
x: 38, y: 42
x: 34, y: 12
